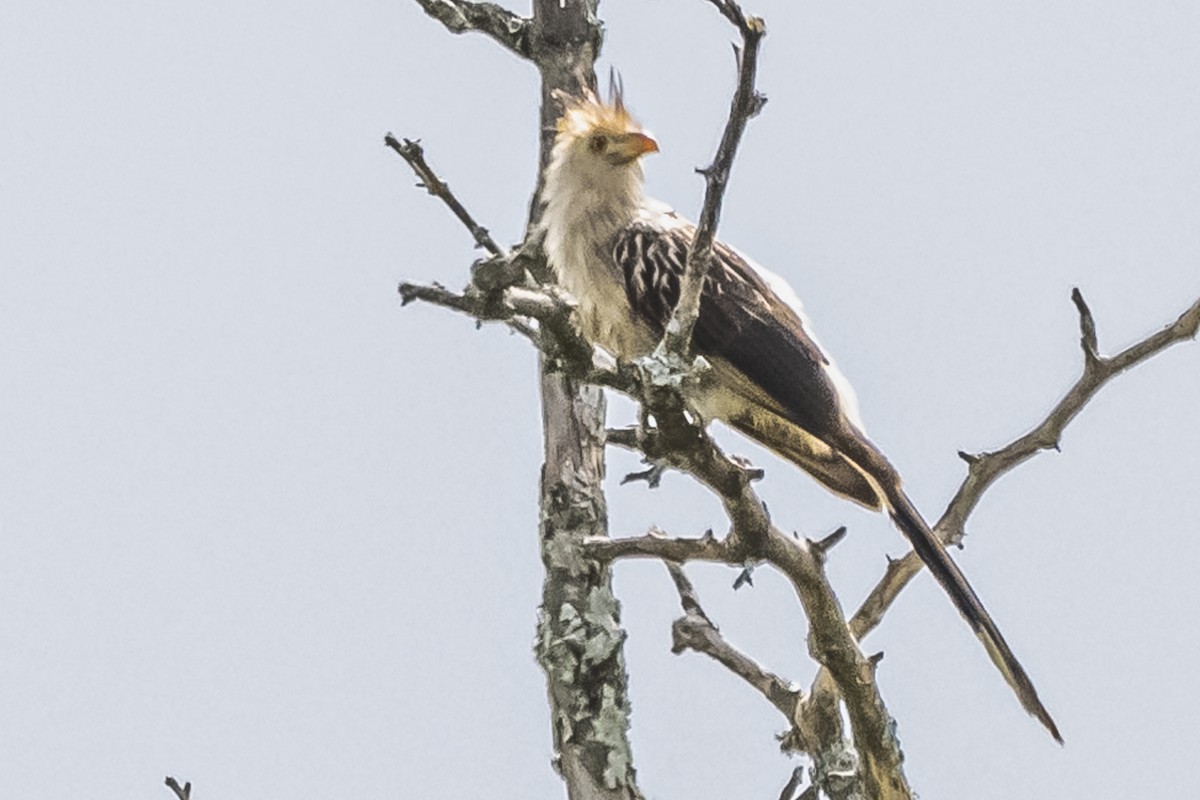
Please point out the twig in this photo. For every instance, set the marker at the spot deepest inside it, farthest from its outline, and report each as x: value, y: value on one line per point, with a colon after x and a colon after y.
x: 823, y: 546
x: 678, y: 549
x: 695, y: 631
x: 816, y: 727
x: 1087, y: 326
x: 182, y: 792
x: 688, y: 598
x: 985, y: 468
x: 412, y: 152
x: 557, y: 336
x: 747, y: 102
x: 460, y: 16
x: 794, y: 782
x: 438, y: 295
x: 623, y: 437
x: 652, y: 475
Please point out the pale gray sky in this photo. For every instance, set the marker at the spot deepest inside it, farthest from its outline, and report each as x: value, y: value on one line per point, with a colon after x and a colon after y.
x: 263, y: 530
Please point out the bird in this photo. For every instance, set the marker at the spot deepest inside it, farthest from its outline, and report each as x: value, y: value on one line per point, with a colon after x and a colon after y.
x: 621, y: 256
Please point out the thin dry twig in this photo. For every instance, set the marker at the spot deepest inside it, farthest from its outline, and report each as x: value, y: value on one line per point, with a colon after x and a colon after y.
x: 823, y: 546
x: 182, y: 792
x: 746, y: 104
x: 623, y: 437
x: 494, y: 293
x: 668, y: 549
x: 794, y: 782
x: 816, y: 727
x: 412, y: 152
x: 688, y: 598
x: 557, y: 336
x: 652, y: 476
x: 438, y: 295
x: 695, y: 631
x: 461, y: 16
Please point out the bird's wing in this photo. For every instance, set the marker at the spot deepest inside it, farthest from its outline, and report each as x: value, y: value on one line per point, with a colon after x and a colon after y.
x: 794, y: 401
x: 742, y: 321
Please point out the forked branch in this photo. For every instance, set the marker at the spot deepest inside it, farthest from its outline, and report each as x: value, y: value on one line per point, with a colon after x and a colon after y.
x: 461, y: 16
x: 985, y: 468
x: 695, y: 631
x: 182, y: 792
x: 816, y: 725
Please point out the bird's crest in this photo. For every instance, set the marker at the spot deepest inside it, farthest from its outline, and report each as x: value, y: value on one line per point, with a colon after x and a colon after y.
x: 588, y: 113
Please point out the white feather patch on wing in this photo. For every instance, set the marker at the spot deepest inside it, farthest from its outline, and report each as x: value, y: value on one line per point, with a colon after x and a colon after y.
x: 784, y: 291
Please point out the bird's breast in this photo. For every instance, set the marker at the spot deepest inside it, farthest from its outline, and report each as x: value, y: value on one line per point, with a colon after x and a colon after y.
x: 605, y: 316
x: 604, y: 313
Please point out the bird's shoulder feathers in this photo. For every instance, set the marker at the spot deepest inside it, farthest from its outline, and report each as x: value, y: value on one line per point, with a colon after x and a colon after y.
x: 743, y: 319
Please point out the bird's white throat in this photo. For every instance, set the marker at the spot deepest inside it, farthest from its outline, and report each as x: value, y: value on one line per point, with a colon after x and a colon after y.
x: 587, y: 201
x: 588, y: 198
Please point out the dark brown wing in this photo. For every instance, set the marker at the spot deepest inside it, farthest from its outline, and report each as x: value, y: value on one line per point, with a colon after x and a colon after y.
x: 741, y: 321
x: 793, y: 406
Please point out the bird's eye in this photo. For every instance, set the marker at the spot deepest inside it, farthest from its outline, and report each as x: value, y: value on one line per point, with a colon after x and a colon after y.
x: 597, y: 144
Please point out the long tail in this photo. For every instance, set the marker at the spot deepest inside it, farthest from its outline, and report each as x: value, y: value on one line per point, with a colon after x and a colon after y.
x: 933, y: 553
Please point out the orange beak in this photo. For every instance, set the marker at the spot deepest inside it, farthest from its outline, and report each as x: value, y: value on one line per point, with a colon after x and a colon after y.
x: 629, y: 147
x: 640, y: 144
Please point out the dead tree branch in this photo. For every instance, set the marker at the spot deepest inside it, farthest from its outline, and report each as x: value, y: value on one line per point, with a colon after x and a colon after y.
x: 182, y: 792
x: 460, y: 16
x: 816, y: 723
x: 985, y: 468
x: 695, y: 631
x: 677, y: 550
x: 681, y: 444
x: 747, y: 102
x: 412, y: 152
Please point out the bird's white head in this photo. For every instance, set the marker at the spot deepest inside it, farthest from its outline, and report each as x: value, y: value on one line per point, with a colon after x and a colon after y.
x: 595, y: 165
x: 592, y: 189
x: 601, y: 135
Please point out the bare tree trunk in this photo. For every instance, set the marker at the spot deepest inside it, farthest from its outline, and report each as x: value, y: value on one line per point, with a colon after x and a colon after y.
x: 580, y: 641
